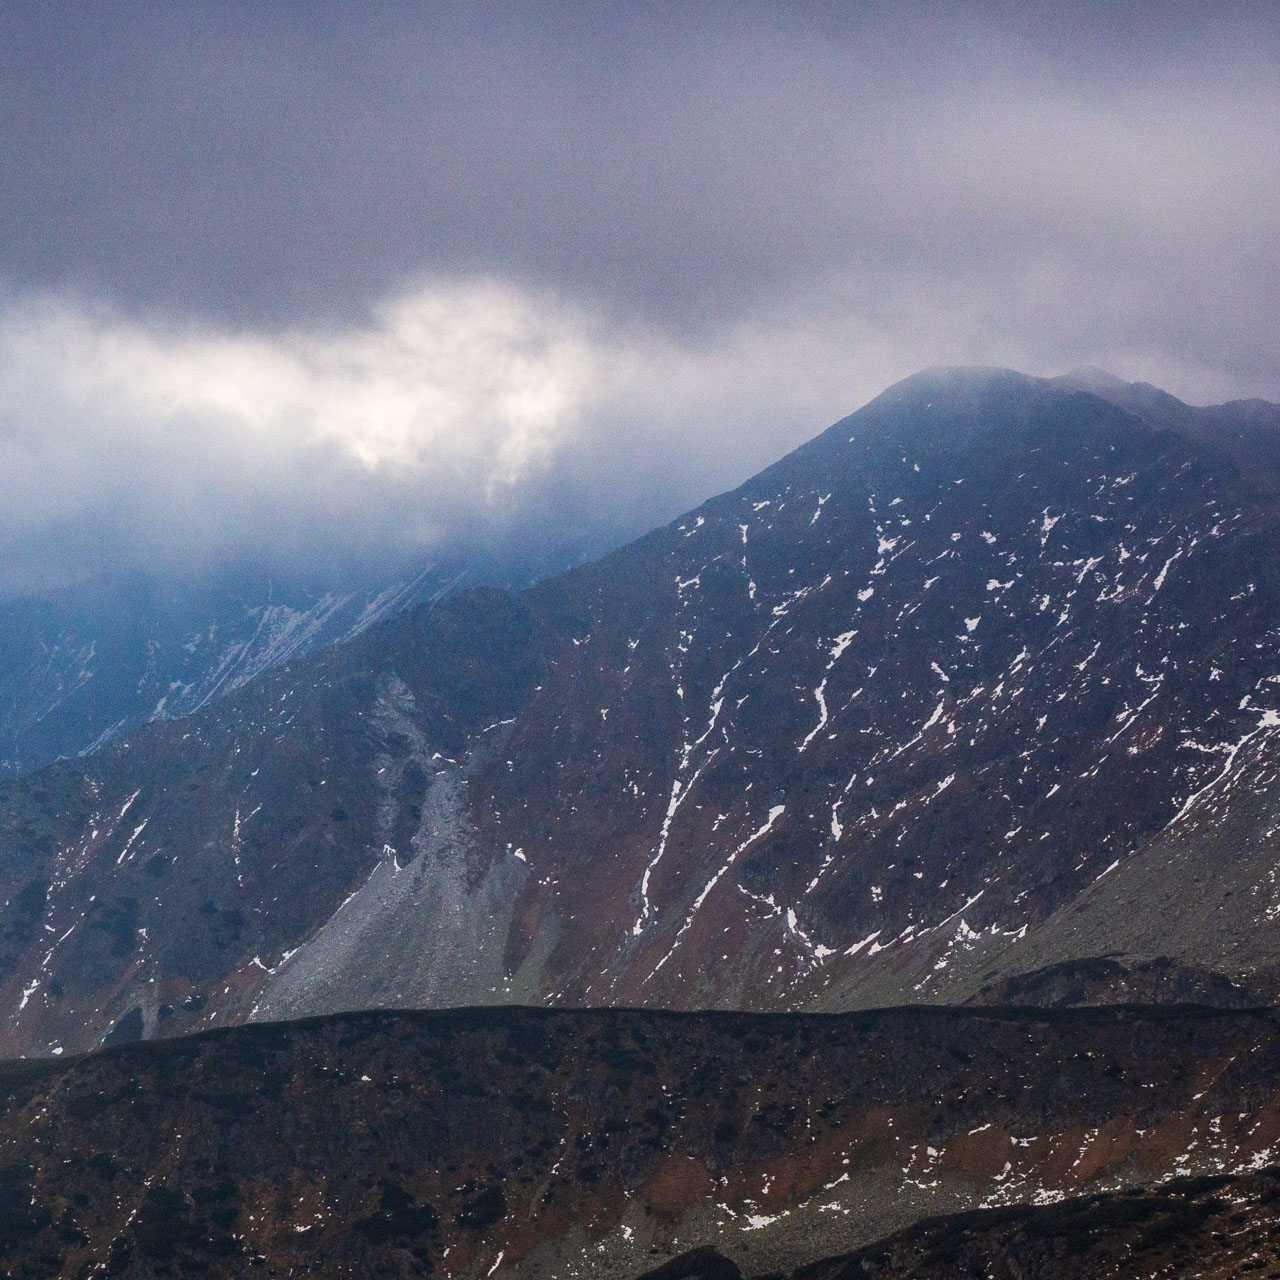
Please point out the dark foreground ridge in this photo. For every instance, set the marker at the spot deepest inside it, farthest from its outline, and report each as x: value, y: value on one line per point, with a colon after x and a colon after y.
x: 601, y: 1143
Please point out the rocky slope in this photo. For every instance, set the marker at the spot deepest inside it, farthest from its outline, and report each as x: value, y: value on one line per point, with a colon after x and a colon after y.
x: 983, y: 680
x: 1197, y: 1228
x: 541, y: 1143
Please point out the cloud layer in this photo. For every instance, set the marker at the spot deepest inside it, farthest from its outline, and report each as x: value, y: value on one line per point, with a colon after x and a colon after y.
x: 288, y: 285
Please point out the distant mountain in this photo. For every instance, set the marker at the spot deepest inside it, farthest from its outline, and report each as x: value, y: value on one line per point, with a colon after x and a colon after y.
x: 547, y: 1144
x: 81, y: 666
x: 982, y: 682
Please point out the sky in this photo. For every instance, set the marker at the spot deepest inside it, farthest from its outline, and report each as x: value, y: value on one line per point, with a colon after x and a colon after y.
x: 323, y: 284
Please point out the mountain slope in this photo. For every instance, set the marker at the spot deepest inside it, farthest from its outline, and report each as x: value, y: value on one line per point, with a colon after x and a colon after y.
x: 556, y: 1143
x: 1190, y: 1227
x: 902, y: 718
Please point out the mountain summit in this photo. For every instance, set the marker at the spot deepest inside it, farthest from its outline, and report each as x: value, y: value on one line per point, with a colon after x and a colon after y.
x: 982, y: 682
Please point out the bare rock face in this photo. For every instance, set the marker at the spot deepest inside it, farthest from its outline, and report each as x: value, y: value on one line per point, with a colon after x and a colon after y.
x: 983, y: 680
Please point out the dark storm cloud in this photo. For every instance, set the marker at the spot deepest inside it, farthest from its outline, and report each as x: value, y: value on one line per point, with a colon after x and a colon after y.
x: 703, y: 226
x: 257, y: 160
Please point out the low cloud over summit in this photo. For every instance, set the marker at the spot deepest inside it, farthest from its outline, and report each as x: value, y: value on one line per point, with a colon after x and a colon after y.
x: 301, y: 284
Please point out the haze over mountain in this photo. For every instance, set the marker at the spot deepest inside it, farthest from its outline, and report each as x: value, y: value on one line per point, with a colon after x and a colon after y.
x: 981, y: 681
x: 80, y: 666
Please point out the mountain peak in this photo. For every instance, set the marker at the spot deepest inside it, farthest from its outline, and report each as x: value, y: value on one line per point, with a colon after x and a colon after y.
x: 1089, y: 377
x: 957, y: 383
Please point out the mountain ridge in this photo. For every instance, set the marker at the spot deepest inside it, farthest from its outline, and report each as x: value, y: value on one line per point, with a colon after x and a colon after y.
x: 595, y: 1143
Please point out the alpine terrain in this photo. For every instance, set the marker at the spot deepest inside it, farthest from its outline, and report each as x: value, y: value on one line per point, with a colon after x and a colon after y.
x: 815, y: 820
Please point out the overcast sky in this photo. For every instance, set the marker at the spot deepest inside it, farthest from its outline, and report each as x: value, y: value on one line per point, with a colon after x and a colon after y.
x: 309, y: 282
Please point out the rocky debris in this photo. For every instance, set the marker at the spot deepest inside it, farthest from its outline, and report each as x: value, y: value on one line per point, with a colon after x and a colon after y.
x: 1210, y: 1228
x: 1108, y: 980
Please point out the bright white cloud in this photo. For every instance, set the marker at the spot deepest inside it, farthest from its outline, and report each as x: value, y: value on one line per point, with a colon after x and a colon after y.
x: 479, y: 375
x: 461, y: 414
x: 129, y: 444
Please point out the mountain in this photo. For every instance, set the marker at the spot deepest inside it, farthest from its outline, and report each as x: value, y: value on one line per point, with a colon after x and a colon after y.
x: 600, y: 1143
x: 80, y: 666
x: 968, y: 699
